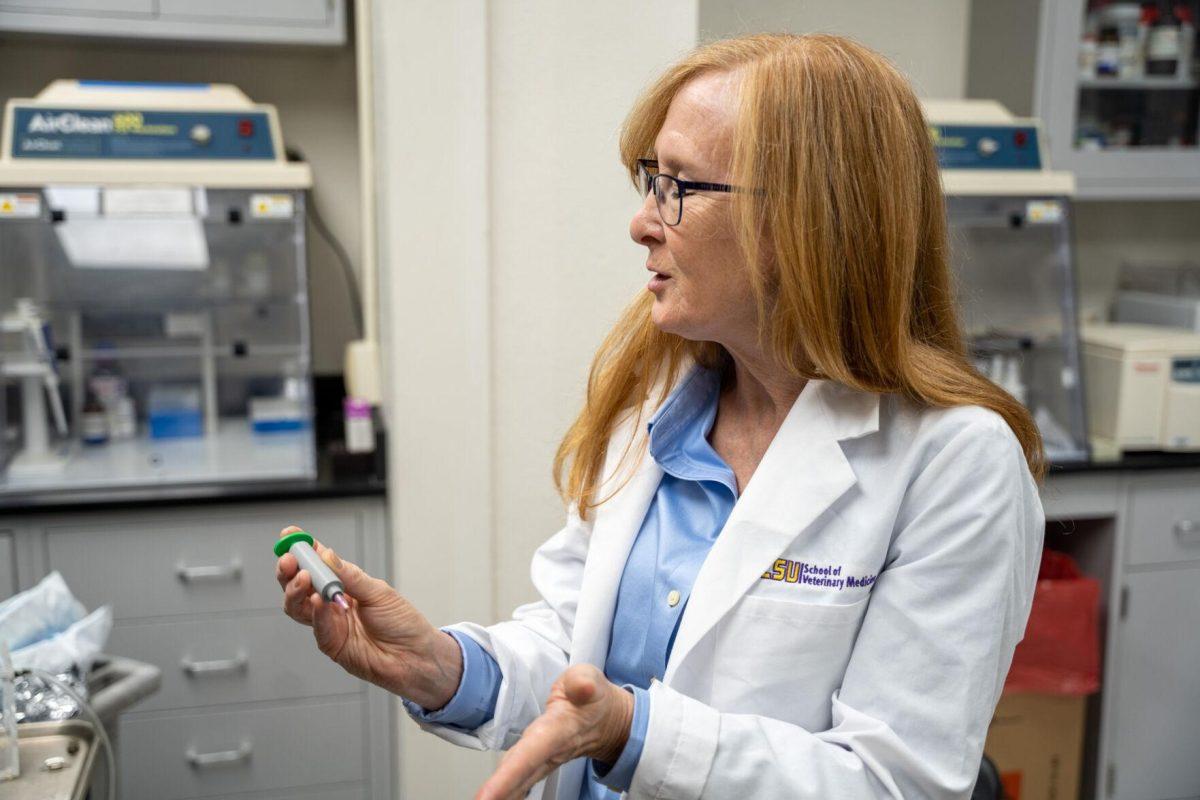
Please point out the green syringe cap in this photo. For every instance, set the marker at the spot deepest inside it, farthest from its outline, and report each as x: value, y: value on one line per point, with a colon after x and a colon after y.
x: 285, y: 544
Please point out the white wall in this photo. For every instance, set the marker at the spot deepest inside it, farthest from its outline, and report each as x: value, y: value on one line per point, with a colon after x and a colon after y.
x: 563, y: 76
x: 505, y: 257
x: 432, y: 155
x: 927, y: 39
x: 314, y: 91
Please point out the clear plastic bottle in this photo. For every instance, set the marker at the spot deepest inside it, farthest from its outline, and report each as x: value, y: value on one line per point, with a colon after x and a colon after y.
x: 360, y: 428
x: 110, y: 387
x: 1012, y: 382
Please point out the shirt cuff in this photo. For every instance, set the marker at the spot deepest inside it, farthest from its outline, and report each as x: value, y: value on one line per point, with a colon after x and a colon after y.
x: 619, y: 776
x: 474, y: 702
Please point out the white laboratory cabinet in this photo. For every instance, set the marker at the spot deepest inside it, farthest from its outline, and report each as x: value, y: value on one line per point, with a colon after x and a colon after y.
x: 304, y: 22
x: 248, y: 706
x: 1124, y: 136
x: 1138, y: 531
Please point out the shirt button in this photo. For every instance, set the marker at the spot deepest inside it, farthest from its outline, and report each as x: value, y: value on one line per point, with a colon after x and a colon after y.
x: 673, y: 598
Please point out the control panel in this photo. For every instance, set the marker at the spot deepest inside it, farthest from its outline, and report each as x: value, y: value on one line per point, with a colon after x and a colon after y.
x: 93, y: 133
x: 987, y: 146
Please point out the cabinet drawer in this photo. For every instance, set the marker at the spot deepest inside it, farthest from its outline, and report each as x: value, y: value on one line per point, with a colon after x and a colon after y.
x: 1164, y: 518
x: 175, y: 757
x: 207, y: 662
x: 184, y: 566
x: 8, y: 565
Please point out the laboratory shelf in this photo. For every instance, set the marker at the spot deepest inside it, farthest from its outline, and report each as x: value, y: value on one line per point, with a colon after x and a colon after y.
x: 1123, y: 138
x: 234, y: 454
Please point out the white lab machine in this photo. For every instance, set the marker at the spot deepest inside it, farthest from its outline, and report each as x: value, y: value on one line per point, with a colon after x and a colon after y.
x: 1143, y: 386
x: 1159, y: 294
x: 153, y: 291
x: 1151, y: 308
x: 1010, y: 236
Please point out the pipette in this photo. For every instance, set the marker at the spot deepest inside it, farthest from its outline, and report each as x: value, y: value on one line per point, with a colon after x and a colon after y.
x: 324, y: 581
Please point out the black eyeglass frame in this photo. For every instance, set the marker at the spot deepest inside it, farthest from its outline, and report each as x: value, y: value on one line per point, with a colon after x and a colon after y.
x: 685, y: 187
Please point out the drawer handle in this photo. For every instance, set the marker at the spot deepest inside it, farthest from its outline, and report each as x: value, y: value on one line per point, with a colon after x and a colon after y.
x: 220, y: 758
x: 219, y: 667
x: 229, y: 572
x: 1188, y: 531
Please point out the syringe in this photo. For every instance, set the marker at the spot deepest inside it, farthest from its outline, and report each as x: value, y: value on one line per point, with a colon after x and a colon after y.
x: 324, y: 581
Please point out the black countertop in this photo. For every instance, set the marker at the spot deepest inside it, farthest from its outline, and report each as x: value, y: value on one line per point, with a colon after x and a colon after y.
x: 1150, y: 460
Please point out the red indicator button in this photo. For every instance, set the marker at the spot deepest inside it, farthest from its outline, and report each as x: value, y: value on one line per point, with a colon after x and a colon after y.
x: 1020, y: 138
x: 245, y: 128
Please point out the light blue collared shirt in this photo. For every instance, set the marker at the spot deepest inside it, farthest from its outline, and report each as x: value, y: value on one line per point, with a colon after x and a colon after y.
x: 690, y: 507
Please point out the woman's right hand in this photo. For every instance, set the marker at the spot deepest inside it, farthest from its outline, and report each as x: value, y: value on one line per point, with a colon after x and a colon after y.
x: 382, y: 638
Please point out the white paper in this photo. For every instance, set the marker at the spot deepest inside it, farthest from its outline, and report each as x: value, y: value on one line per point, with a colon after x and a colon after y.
x: 75, y: 200
x: 138, y: 243
x: 155, y: 201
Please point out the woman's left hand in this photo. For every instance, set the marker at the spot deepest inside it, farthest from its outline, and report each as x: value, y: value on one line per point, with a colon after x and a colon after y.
x: 586, y: 715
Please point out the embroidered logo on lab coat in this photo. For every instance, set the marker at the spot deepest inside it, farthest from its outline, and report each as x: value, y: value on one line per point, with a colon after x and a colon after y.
x: 829, y: 576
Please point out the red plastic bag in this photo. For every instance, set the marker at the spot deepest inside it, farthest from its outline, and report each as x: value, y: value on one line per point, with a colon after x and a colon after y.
x: 1060, y: 653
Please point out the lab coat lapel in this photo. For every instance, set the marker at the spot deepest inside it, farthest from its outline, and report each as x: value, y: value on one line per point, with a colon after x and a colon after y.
x: 617, y: 524
x: 801, y: 475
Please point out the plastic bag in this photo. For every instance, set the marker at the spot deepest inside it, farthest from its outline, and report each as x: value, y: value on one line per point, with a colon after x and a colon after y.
x: 1060, y: 653
x: 38, y: 613
x: 76, y: 647
x: 46, y: 628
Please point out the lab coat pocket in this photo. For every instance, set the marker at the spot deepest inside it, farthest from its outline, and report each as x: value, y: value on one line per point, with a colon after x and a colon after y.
x: 784, y: 659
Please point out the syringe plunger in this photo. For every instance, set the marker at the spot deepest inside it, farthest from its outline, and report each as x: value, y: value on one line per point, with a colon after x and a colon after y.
x: 325, y: 582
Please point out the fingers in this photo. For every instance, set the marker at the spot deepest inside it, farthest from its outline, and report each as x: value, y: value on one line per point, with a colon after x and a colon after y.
x: 553, y: 738
x: 297, y: 595
x: 580, y: 684
x: 331, y: 626
x: 358, y: 584
x: 286, y: 569
x: 531, y: 759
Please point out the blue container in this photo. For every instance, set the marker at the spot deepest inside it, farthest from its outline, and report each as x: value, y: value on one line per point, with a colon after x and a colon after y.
x: 176, y: 424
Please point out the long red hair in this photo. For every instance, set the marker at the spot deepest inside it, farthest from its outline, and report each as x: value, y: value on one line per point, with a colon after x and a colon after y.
x: 851, y: 210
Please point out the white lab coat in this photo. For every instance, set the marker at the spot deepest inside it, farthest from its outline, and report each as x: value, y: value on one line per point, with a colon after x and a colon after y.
x: 778, y: 689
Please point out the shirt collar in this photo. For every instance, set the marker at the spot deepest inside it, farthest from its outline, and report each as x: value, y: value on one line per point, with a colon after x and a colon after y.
x: 679, y: 430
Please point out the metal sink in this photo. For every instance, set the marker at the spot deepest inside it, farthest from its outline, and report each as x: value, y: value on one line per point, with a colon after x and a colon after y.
x: 56, y: 761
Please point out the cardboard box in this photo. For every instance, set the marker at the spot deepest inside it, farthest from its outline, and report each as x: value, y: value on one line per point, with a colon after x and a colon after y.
x: 1036, y: 742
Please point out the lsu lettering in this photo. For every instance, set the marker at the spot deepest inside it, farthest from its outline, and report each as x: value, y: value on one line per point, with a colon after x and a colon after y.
x: 824, y: 575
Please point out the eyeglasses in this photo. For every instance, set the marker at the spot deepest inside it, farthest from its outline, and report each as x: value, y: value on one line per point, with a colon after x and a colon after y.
x: 669, y: 191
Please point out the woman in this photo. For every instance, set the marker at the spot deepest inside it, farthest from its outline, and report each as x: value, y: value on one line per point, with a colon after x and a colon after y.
x: 803, y: 532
